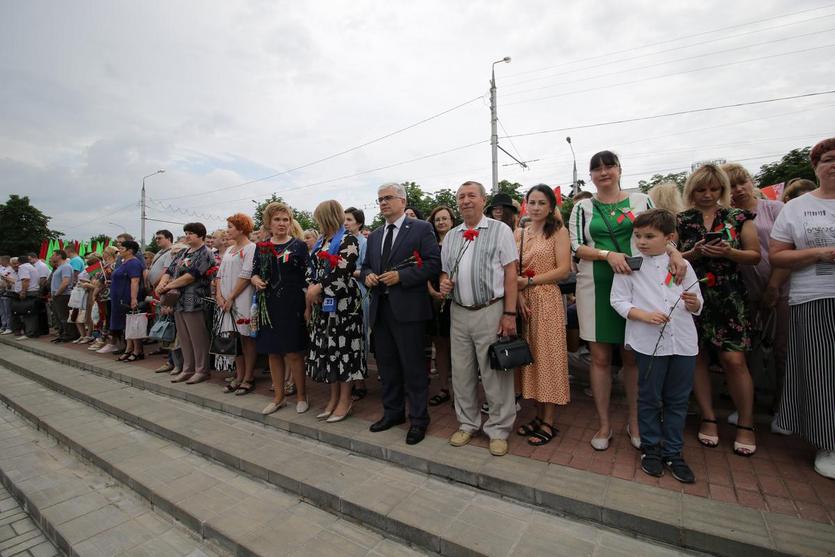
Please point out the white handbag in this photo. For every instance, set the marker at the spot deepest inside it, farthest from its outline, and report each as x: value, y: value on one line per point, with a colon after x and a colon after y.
x: 77, y: 297
x: 136, y: 326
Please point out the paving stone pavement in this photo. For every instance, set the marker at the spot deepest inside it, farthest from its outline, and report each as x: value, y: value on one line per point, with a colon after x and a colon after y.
x: 223, y: 503
x: 19, y: 535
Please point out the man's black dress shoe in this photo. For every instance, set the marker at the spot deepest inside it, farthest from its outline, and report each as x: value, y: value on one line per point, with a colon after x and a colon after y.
x: 384, y: 424
x: 415, y: 435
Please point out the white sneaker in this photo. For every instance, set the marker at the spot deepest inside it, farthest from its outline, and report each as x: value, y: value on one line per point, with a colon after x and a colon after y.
x: 7, y: 332
x: 733, y: 418
x: 21, y: 337
x: 825, y: 464
x: 777, y: 429
x: 107, y: 349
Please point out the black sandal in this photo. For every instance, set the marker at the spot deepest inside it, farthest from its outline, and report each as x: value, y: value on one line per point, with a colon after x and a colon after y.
x: 529, y: 428
x: 358, y: 394
x: 541, y: 437
x: 124, y: 357
x: 135, y: 357
x: 231, y: 387
x: 245, y: 390
x: 440, y: 398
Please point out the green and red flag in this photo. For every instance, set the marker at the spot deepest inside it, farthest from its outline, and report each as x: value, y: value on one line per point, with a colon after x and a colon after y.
x: 94, y: 270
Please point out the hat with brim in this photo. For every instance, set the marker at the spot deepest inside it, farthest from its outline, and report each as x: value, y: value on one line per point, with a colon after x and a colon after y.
x: 501, y: 200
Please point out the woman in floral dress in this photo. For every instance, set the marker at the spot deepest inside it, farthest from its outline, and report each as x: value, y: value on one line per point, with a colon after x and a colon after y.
x: 336, y: 354
x: 723, y: 324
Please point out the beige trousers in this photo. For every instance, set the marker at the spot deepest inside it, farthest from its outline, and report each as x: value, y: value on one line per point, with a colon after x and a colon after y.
x: 471, y: 334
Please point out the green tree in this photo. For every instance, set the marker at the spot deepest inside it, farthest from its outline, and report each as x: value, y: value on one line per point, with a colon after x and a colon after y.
x: 513, y: 189
x: 23, y: 227
x: 676, y: 177
x: 794, y: 164
x: 304, y: 218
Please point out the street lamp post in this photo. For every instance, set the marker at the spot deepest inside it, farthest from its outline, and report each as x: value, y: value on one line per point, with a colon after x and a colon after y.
x: 494, y: 118
x: 574, y: 177
x: 142, y: 205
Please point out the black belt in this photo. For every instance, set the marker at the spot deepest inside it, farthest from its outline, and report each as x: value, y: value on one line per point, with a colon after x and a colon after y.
x: 480, y: 306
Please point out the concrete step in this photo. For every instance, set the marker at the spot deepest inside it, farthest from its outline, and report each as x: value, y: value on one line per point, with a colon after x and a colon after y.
x: 433, y: 514
x: 82, y: 510
x: 90, y: 513
x: 674, y: 518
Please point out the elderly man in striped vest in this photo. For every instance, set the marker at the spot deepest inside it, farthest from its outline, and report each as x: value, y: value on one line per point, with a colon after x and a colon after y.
x: 479, y: 269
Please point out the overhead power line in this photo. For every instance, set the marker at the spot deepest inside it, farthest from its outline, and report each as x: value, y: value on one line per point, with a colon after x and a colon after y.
x: 668, y: 114
x: 668, y: 41
x: 645, y: 79
x: 674, y: 61
x: 335, y: 155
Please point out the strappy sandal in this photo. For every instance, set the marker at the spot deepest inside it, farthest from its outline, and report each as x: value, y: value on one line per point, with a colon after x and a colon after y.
x: 359, y: 394
x: 124, y: 357
x: 440, y: 398
x: 135, y: 357
x: 245, y: 388
x: 540, y: 437
x: 289, y: 389
x: 744, y: 449
x: 529, y: 428
x: 231, y: 387
x: 709, y: 441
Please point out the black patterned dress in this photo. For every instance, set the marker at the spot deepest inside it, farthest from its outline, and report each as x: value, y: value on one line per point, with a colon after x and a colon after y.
x: 723, y: 322
x: 336, y: 339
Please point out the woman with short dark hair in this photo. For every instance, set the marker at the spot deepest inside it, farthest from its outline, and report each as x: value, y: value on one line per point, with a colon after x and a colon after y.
x: 125, y: 294
x: 189, y: 277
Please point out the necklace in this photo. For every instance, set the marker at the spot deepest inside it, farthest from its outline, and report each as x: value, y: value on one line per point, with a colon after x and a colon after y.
x: 609, y: 207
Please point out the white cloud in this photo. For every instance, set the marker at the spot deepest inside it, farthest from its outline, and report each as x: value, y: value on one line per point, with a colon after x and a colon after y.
x: 95, y: 95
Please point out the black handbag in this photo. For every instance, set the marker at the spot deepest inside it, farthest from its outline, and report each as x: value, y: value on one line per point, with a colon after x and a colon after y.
x: 225, y: 343
x: 508, y: 353
x: 21, y: 308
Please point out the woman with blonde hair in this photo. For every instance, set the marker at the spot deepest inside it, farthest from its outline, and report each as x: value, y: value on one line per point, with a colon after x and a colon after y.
x: 666, y: 195
x: 278, y: 275
x: 717, y: 239
x: 336, y: 352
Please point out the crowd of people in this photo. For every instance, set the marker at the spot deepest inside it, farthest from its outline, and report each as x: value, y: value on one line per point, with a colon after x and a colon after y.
x: 669, y: 286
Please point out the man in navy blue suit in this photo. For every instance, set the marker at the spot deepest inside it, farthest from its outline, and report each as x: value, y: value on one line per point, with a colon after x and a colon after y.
x: 400, y: 307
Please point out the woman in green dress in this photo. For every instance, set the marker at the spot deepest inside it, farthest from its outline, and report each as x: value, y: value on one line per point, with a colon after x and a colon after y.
x: 601, y: 237
x: 723, y: 324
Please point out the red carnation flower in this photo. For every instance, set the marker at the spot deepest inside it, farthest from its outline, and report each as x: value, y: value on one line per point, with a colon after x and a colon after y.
x: 323, y: 255
x: 212, y: 271
x: 530, y: 273
x: 418, y: 259
x: 470, y: 234
x: 711, y: 280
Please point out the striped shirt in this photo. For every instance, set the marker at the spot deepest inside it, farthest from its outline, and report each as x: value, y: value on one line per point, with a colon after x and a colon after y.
x: 480, y: 275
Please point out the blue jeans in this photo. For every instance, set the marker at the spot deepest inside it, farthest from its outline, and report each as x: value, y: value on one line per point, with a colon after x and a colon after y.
x: 663, y: 394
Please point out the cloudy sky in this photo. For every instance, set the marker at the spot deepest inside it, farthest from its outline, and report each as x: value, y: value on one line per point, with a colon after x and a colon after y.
x: 96, y: 95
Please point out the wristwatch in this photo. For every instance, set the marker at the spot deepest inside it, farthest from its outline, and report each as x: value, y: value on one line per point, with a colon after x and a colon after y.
x: 530, y: 281
x: 604, y: 253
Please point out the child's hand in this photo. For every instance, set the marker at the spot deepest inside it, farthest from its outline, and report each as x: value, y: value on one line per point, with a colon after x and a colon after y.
x: 691, y: 301
x: 651, y: 317
x: 655, y: 317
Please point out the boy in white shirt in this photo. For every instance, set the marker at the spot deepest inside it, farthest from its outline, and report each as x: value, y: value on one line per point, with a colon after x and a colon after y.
x: 655, y: 306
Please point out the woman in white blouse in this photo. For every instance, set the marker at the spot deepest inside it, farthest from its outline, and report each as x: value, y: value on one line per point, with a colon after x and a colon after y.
x: 234, y: 297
